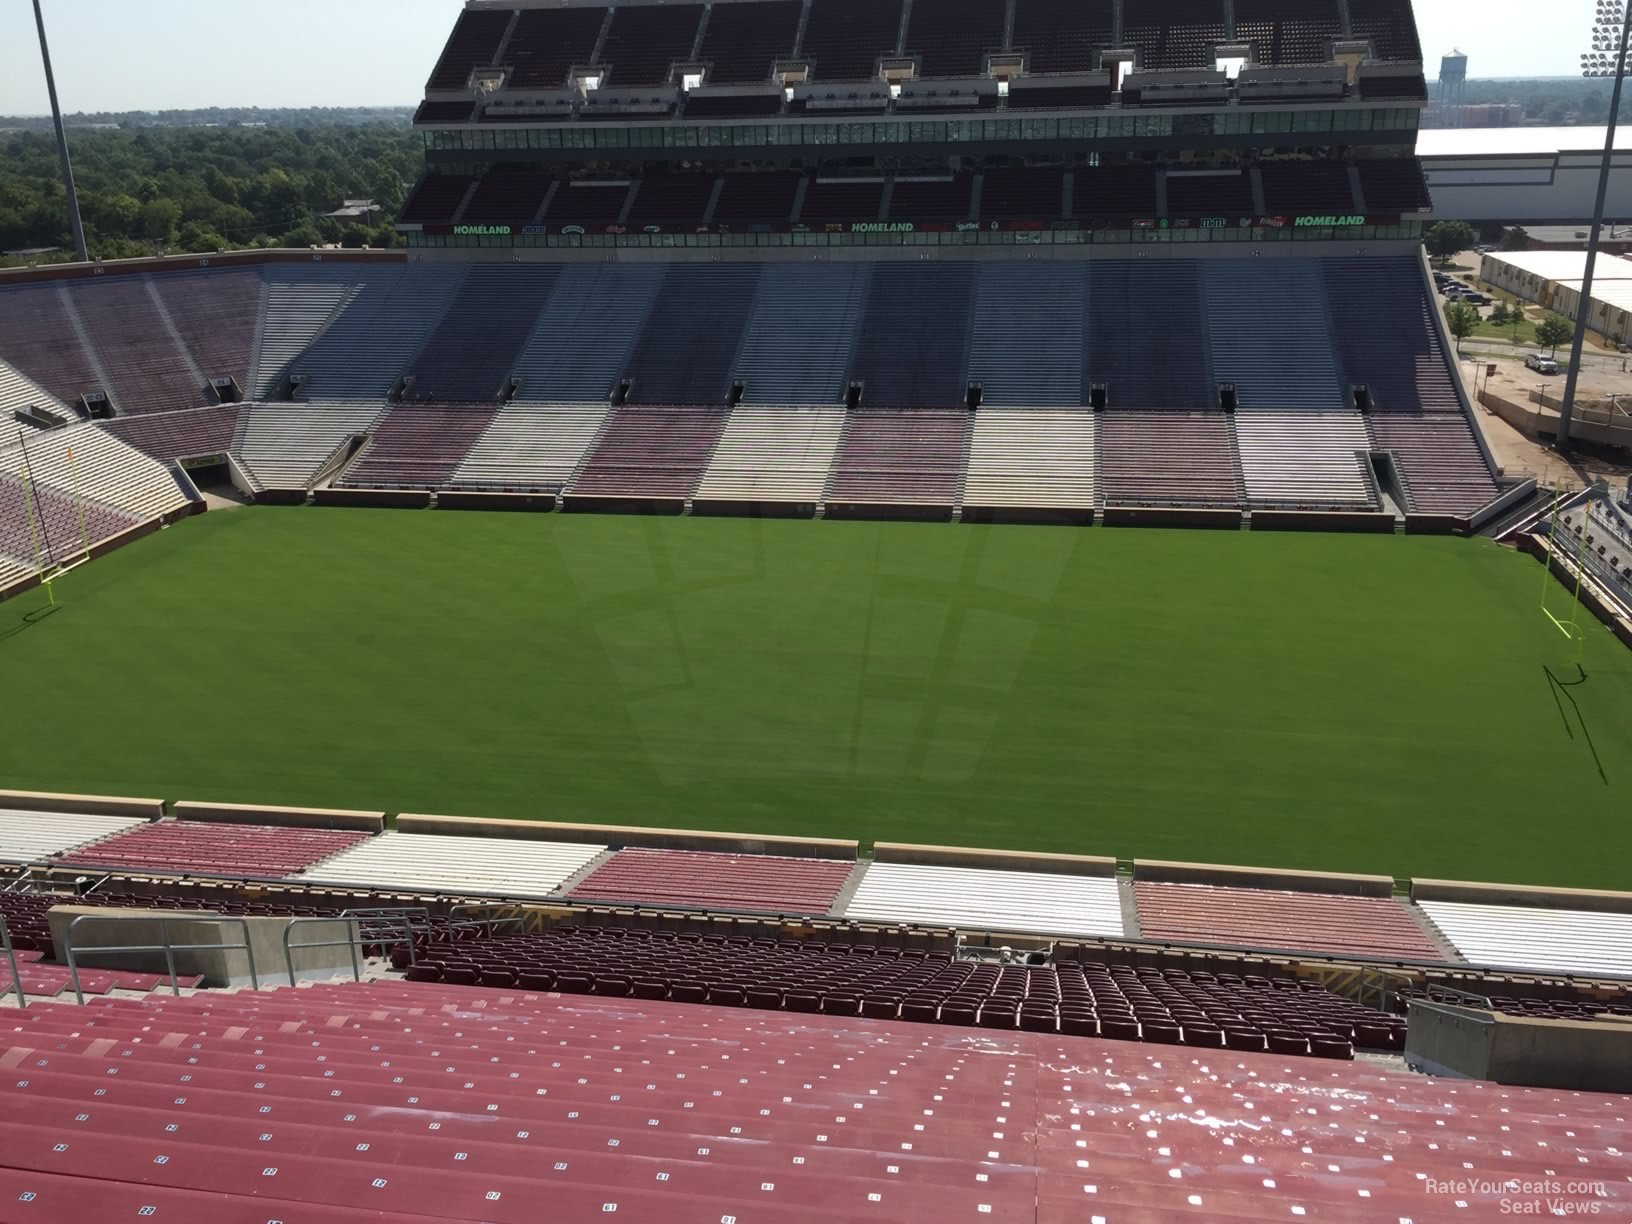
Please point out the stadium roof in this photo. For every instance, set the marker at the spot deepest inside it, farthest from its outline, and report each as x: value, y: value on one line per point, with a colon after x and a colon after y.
x: 1535, y: 141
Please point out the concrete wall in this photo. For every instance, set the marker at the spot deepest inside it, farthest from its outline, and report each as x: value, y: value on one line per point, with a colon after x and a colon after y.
x: 395, y: 499
x: 999, y: 860
x: 96, y: 805
x: 1171, y: 516
x: 1522, y: 894
x: 619, y: 836
x: 1321, y: 520
x: 459, y: 499
x: 218, y: 966
x: 295, y: 817
x: 1167, y: 871
x: 1587, y: 1055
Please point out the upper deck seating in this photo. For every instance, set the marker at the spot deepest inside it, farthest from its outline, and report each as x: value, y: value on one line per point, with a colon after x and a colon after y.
x: 742, y: 41
x: 646, y: 40
x: 1062, y: 35
x: 1175, y: 34
x: 548, y: 42
x: 1288, y: 31
x: 844, y: 39
x: 952, y: 38
x: 474, y: 42
x: 1391, y: 27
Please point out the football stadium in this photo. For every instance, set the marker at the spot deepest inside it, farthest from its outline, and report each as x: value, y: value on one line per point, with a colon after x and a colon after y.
x: 893, y: 610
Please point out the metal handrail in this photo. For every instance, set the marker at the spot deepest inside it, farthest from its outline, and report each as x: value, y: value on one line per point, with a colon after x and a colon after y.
x: 352, y: 943
x: 363, y: 931
x: 166, y: 946
x: 11, y: 963
x: 414, y: 917
x: 456, y: 923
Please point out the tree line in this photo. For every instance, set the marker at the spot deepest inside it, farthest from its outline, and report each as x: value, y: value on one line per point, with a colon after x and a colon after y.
x: 1549, y: 101
x: 152, y: 190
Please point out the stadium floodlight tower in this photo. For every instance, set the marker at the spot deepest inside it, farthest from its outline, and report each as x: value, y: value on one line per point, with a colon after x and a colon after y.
x: 74, y: 222
x: 1611, y: 24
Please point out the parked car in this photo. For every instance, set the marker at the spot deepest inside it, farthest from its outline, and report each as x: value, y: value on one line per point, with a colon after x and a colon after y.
x: 1478, y: 299
x: 1540, y: 364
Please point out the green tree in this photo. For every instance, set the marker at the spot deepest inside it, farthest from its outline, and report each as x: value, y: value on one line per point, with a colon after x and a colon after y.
x: 1553, y: 331
x: 1515, y: 238
x: 1447, y: 238
x: 1462, y: 318
x: 158, y: 219
x: 1498, y: 315
x: 195, y: 236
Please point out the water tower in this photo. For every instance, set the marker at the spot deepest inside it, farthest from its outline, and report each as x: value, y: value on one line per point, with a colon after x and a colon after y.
x: 1453, y: 80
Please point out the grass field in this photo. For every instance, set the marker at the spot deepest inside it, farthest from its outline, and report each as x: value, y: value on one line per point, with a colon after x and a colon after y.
x: 1316, y: 701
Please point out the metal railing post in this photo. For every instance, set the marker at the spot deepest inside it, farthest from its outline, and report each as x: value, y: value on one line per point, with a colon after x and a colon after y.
x: 357, y: 936
x: 165, y: 945
x: 11, y: 963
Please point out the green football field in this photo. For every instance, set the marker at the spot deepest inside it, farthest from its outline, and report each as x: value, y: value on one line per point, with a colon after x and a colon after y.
x: 1379, y: 704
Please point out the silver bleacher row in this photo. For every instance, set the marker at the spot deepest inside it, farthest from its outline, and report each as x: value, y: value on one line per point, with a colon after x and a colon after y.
x: 1506, y: 936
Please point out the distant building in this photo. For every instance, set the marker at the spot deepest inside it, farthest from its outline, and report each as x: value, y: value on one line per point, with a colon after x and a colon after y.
x: 359, y: 212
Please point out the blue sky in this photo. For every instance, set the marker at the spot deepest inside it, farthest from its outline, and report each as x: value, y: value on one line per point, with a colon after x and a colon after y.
x: 160, y: 54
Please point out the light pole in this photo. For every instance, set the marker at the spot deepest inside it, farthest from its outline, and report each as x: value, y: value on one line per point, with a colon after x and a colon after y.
x: 1611, y: 24
x: 62, y: 141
